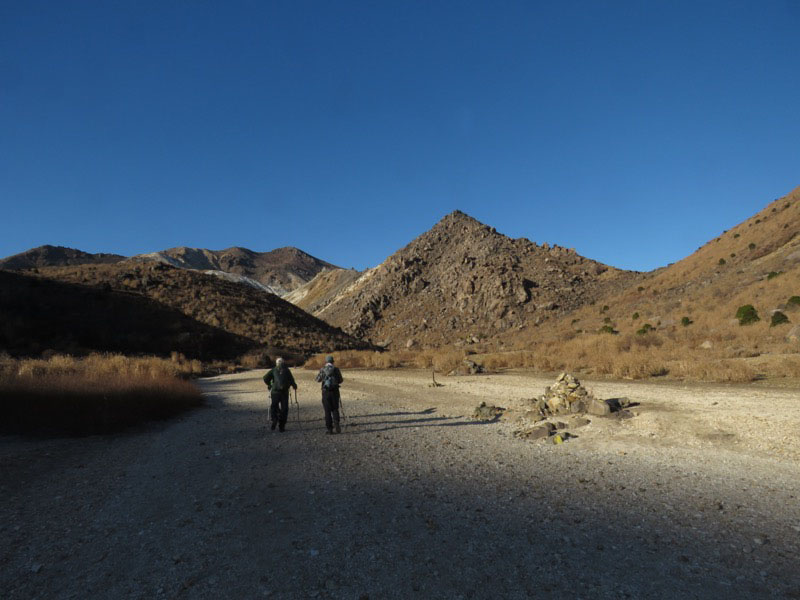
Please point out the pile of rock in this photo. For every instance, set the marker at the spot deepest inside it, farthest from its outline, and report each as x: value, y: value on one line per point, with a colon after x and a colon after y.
x: 568, y: 397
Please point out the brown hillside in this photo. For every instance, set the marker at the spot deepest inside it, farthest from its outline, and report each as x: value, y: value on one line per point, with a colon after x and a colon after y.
x: 260, y: 317
x: 54, y: 256
x: 41, y: 314
x: 315, y: 295
x: 690, y: 310
x: 282, y: 269
x: 462, y: 281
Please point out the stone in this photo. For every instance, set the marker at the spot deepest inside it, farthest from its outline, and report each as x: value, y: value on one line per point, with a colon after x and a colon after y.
x: 598, y: 408
x: 486, y: 412
x: 707, y: 345
x: 794, y: 334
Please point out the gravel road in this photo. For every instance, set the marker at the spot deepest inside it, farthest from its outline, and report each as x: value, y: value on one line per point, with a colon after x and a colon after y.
x: 694, y: 497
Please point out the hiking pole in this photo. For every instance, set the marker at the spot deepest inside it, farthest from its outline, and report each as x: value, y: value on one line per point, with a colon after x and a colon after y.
x: 297, y: 406
x: 342, y: 416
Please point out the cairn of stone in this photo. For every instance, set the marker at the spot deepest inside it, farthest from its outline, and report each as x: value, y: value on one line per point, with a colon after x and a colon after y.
x: 568, y: 397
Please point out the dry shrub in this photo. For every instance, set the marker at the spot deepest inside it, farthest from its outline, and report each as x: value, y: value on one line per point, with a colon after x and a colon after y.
x: 98, y: 394
x: 727, y: 370
x: 637, y: 366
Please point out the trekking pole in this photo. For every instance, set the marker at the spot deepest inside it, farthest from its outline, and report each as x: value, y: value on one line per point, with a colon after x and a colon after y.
x: 342, y: 416
x: 297, y: 407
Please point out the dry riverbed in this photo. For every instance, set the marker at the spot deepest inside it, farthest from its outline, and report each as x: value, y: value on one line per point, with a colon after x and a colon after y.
x: 696, y: 496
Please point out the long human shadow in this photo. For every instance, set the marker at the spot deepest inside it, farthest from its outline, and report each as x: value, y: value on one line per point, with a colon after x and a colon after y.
x: 427, y: 411
x: 374, y: 426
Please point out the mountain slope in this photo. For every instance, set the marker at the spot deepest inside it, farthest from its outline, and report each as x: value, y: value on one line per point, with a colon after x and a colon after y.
x: 41, y: 314
x: 315, y: 295
x: 281, y: 270
x: 463, y: 280
x: 54, y: 256
x: 264, y: 319
x: 681, y: 319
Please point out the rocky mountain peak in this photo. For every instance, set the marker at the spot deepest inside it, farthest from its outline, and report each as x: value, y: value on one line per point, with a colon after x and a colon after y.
x: 462, y: 280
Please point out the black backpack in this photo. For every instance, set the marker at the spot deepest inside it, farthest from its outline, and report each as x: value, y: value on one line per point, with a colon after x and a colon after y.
x: 329, y: 381
x: 280, y: 380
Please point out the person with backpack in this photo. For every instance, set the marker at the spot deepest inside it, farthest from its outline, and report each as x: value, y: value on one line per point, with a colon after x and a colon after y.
x: 330, y: 377
x: 279, y: 380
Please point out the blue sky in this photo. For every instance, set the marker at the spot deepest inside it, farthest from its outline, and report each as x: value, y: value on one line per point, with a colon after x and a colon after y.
x: 631, y: 131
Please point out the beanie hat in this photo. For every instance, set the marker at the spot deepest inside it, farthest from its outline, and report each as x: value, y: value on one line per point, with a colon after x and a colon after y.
x: 329, y: 358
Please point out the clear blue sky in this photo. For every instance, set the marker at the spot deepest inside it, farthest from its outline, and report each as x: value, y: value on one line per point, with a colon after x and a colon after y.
x: 633, y: 131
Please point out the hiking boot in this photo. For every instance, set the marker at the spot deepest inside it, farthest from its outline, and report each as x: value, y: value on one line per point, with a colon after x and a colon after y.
x: 274, y: 425
x: 338, y: 429
x: 329, y: 431
x: 282, y: 428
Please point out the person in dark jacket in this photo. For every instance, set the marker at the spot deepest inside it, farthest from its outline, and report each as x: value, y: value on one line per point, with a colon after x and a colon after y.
x: 279, y: 380
x: 331, y: 378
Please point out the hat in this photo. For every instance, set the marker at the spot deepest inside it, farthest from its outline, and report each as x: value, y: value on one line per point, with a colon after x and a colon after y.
x: 329, y: 358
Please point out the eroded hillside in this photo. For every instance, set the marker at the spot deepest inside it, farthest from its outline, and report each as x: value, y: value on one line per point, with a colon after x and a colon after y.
x: 282, y: 269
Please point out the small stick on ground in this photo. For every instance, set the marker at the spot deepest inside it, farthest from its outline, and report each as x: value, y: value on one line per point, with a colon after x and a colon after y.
x: 433, y: 376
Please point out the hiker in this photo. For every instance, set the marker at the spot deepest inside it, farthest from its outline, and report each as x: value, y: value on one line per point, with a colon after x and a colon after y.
x: 279, y: 380
x: 330, y: 377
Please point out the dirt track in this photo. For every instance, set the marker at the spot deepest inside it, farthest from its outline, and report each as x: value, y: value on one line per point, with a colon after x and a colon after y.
x: 695, y: 497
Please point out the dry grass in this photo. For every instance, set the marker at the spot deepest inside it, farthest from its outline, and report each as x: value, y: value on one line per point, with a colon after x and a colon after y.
x: 96, y: 394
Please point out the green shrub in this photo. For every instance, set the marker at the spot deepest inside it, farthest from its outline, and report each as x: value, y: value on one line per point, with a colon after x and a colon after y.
x: 686, y: 321
x: 735, y: 235
x: 608, y: 329
x: 733, y: 254
x: 604, y: 309
x: 795, y: 300
x: 747, y: 314
x: 751, y: 245
x: 644, y: 329
x: 777, y: 318
x: 607, y: 320
x: 721, y: 261
x: 774, y: 274
x: 640, y: 289
x: 635, y: 316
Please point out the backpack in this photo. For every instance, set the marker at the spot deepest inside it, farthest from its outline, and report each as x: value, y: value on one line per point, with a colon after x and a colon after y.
x: 280, y: 380
x: 329, y: 381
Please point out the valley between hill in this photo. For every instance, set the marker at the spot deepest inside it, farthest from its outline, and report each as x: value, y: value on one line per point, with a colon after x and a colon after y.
x: 696, y: 496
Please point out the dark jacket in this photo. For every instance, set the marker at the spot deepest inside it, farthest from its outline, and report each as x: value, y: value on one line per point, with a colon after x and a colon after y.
x: 279, y: 382
x: 333, y: 371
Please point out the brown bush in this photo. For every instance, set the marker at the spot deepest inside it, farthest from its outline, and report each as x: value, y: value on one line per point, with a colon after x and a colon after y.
x: 98, y: 394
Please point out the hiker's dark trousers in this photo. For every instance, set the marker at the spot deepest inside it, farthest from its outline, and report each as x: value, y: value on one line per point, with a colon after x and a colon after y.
x: 330, y: 401
x: 279, y: 410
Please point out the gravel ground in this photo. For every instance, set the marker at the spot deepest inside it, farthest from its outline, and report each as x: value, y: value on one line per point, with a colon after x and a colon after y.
x: 694, y: 497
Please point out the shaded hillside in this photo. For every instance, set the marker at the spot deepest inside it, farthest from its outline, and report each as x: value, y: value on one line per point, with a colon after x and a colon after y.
x: 462, y: 281
x: 55, y: 256
x: 315, y: 295
x: 241, y: 310
x: 282, y: 269
x: 41, y: 314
